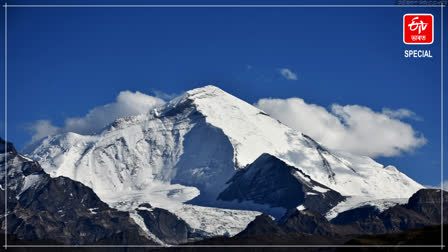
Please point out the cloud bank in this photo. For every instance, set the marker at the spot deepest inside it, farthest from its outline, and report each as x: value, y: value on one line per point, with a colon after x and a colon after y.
x: 43, y: 128
x: 351, y: 128
x: 127, y: 104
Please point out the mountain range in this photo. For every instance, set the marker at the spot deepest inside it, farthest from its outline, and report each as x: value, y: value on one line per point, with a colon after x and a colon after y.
x: 204, y: 164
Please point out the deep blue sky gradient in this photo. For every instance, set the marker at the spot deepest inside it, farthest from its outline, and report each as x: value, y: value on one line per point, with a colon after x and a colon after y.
x: 62, y: 62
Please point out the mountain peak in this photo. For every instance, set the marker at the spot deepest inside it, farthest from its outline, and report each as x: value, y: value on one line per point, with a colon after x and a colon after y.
x: 215, y: 95
x: 209, y: 89
x: 193, y: 96
x: 9, y: 147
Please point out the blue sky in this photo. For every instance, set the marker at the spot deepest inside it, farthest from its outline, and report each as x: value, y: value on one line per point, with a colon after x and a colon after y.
x: 62, y: 62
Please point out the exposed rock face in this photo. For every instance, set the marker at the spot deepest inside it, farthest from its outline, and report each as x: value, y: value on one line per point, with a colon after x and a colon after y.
x: 362, y: 219
x: 263, y: 224
x: 167, y: 226
x: 59, y: 209
x: 269, y: 180
x: 427, y: 202
x: 312, y: 223
x: 359, y: 214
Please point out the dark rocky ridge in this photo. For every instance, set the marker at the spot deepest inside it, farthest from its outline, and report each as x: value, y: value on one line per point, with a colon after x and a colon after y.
x: 263, y: 224
x: 269, y: 180
x: 423, y: 209
x: 360, y: 214
x: 307, y: 221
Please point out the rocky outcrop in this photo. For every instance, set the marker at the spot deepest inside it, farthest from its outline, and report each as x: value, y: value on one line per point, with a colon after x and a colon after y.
x: 167, y: 226
x: 269, y: 180
x: 428, y: 202
x: 263, y: 224
x: 306, y: 221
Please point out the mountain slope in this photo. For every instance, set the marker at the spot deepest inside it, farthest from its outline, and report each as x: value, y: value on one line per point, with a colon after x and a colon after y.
x: 60, y: 209
x: 189, y: 148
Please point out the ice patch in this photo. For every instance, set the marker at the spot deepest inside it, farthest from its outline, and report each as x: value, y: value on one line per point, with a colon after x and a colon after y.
x: 320, y: 189
x: 357, y: 201
x: 25, y: 158
x: 216, y: 221
x: 29, y: 181
x: 93, y: 210
x: 301, y: 208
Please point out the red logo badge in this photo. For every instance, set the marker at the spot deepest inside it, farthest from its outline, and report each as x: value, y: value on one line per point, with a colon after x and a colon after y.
x: 418, y: 29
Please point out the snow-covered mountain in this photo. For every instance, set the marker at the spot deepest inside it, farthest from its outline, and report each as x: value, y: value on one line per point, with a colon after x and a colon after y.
x: 181, y: 155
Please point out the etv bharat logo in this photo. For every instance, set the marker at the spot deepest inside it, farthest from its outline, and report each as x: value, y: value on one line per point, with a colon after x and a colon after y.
x: 418, y: 29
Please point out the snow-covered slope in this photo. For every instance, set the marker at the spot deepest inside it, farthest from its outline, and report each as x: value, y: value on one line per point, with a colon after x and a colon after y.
x: 359, y: 201
x: 191, y: 146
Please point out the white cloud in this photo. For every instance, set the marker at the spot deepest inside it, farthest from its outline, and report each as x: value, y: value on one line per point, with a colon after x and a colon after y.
x: 288, y: 74
x: 43, y: 128
x: 401, y: 114
x: 350, y: 128
x: 127, y: 104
